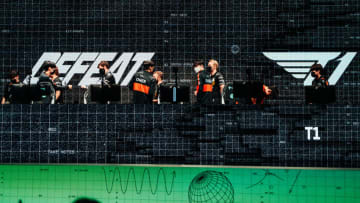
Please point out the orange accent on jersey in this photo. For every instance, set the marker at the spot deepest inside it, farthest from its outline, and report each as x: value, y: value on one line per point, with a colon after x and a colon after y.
x: 198, y: 83
x: 253, y: 100
x: 207, y: 88
x: 326, y: 82
x: 141, y: 88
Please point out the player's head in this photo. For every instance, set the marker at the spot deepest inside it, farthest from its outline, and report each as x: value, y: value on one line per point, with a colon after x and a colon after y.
x: 103, y: 67
x: 213, y: 65
x: 48, y: 67
x: 198, y: 66
x: 316, y: 70
x: 149, y: 66
x: 56, y: 73
x: 158, y: 75
x: 14, y: 76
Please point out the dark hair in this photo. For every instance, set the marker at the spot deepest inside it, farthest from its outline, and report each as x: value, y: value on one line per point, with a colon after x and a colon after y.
x: 48, y: 64
x: 104, y: 63
x: 57, y: 71
x: 148, y: 64
x: 198, y: 63
x: 316, y: 67
x: 13, y: 74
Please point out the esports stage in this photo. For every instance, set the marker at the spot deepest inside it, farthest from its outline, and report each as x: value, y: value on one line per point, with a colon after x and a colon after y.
x: 242, y: 101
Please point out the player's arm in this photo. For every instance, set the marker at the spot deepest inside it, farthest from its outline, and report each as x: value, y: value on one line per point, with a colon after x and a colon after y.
x: 221, y: 83
x: 57, y: 94
x: 197, y: 84
x: 6, y: 95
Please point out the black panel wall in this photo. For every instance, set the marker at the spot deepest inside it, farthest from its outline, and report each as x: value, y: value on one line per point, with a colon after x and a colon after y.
x: 235, y: 32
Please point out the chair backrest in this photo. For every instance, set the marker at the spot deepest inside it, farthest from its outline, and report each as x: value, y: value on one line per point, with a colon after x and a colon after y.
x: 19, y: 94
x: 47, y: 92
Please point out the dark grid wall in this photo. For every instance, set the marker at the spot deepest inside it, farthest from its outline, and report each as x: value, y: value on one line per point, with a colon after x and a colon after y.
x: 181, y: 134
x: 235, y: 32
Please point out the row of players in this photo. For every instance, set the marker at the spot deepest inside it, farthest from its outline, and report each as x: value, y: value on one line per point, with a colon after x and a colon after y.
x: 146, y: 84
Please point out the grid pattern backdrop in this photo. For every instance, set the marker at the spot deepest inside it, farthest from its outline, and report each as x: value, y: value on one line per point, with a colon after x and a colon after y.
x: 235, y: 32
x: 181, y: 134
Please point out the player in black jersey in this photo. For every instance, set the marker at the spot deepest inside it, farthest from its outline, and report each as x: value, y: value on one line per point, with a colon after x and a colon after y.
x: 204, y: 87
x: 107, y: 78
x: 14, y: 79
x: 218, y: 82
x: 143, y: 84
x: 158, y: 75
x: 59, y: 87
x: 317, y: 73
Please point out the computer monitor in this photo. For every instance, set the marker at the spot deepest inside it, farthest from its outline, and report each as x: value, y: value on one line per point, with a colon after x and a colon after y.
x: 103, y: 94
x: 320, y: 95
x: 247, y: 89
x: 20, y: 94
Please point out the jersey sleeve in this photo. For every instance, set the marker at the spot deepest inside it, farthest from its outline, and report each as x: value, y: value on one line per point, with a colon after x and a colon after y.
x: 110, y: 79
x: 152, y: 91
x: 221, y: 79
x: 58, y: 85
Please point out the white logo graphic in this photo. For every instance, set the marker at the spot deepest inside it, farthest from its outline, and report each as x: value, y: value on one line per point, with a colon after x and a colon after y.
x: 81, y: 65
x: 298, y: 63
x: 315, y: 129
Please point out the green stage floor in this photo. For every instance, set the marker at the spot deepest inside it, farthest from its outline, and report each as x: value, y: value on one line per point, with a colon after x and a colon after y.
x: 154, y: 183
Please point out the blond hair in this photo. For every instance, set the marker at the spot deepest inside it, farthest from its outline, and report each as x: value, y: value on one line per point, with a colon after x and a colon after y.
x: 214, y: 62
x: 159, y: 73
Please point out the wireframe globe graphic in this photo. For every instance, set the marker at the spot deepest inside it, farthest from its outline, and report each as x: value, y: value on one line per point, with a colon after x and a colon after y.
x: 211, y: 186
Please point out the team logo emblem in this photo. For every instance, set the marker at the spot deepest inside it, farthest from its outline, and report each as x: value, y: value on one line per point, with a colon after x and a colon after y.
x: 298, y: 63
